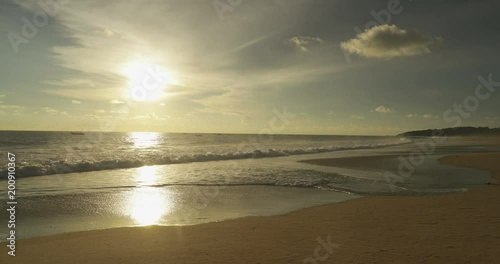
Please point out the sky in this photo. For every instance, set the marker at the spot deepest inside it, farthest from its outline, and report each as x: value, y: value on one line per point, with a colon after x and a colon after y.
x: 249, y: 66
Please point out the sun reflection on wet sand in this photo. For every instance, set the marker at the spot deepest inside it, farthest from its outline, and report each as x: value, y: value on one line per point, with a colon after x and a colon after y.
x: 147, y: 205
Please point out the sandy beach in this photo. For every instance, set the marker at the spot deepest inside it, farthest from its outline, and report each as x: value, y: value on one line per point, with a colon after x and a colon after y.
x: 456, y: 228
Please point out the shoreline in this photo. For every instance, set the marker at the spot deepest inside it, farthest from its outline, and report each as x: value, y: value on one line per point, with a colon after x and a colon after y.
x: 457, y: 227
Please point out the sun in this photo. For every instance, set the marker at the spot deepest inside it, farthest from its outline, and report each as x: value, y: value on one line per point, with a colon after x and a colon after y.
x: 147, y: 81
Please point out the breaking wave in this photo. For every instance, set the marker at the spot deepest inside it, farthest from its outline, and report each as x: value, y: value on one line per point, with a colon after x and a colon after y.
x: 65, y: 166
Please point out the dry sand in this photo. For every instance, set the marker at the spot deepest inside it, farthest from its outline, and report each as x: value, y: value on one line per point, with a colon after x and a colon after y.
x: 456, y: 228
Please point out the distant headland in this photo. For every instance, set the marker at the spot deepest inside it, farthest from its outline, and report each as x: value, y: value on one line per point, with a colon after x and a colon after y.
x: 454, y: 131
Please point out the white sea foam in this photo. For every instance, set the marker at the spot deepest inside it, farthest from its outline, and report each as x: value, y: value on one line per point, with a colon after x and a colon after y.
x: 46, y: 153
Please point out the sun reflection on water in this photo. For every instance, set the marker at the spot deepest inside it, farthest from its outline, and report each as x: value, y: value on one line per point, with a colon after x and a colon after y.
x: 147, y: 205
x: 147, y: 175
x: 144, y: 139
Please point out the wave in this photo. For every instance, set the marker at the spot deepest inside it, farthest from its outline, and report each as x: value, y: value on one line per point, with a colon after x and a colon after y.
x: 64, y: 167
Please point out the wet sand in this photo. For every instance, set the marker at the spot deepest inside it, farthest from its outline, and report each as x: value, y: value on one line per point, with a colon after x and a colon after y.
x: 453, y: 228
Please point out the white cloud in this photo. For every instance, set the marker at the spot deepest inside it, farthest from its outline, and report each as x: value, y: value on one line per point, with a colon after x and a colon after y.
x: 97, y: 94
x: 91, y: 116
x: 148, y: 116
x: 429, y: 116
x: 302, y: 43
x: 49, y: 110
x: 357, y: 117
x: 116, y: 102
x: 108, y: 32
x: 75, y: 102
x: 383, y: 109
x: 52, y: 111
x: 15, y: 107
x: 389, y: 41
x: 424, y: 116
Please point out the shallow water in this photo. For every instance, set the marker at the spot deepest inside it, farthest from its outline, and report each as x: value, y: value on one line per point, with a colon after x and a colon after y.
x: 173, y: 205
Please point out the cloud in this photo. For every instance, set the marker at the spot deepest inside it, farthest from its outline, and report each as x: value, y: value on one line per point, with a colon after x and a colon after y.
x: 152, y: 116
x: 53, y: 111
x: 49, y: 110
x: 429, y: 116
x: 302, y: 43
x: 97, y: 94
x: 252, y: 42
x: 75, y: 102
x: 108, y: 32
x: 121, y: 110
x: 2, y: 95
x: 116, y: 102
x: 15, y: 107
x: 357, y: 117
x: 383, y: 109
x: 91, y: 116
x: 389, y: 41
x: 491, y: 120
x: 424, y: 116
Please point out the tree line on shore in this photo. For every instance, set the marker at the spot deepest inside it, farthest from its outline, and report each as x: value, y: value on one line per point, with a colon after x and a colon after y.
x: 454, y: 131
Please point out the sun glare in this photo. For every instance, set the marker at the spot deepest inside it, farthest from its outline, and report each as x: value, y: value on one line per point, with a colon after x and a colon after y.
x: 144, y: 139
x: 147, y: 175
x: 147, y: 205
x: 147, y: 81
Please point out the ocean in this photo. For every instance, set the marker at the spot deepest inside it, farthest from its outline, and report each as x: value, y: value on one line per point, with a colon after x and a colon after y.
x: 71, y: 181
x: 45, y: 153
